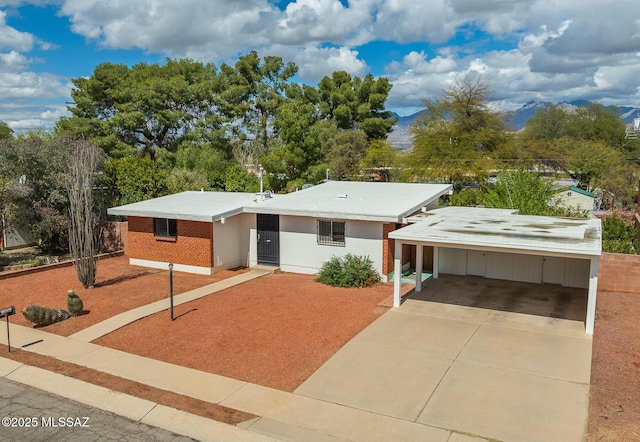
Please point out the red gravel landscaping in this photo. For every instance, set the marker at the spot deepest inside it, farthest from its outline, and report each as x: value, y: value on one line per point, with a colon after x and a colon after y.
x: 278, y: 329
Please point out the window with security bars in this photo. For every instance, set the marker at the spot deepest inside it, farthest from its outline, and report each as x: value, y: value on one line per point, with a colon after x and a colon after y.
x: 331, y: 233
x: 165, y: 228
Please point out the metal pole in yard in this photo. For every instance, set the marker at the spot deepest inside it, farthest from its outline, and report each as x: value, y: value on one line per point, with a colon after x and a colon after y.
x: 171, y: 288
x: 6, y: 312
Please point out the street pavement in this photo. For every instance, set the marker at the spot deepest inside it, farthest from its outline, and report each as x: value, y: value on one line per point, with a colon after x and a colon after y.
x: 30, y: 414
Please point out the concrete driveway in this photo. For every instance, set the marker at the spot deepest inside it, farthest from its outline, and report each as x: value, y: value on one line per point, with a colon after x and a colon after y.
x: 517, y: 371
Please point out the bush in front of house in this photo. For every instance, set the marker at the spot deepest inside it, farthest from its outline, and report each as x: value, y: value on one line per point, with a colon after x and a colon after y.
x: 349, y: 271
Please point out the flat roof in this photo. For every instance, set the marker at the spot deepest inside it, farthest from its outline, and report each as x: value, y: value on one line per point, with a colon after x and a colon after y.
x: 503, y: 230
x: 368, y: 201
x: 191, y: 205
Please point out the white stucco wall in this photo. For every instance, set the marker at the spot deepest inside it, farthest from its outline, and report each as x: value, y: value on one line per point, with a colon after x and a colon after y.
x: 569, y: 272
x: 301, y: 253
x: 231, y: 241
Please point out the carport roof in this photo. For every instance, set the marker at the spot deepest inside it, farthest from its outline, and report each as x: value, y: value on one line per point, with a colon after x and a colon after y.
x: 386, y: 202
x: 504, y: 230
x: 192, y: 206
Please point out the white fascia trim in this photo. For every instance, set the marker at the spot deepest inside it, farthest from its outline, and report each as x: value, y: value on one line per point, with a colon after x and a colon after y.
x: 326, y: 215
x: 165, y: 266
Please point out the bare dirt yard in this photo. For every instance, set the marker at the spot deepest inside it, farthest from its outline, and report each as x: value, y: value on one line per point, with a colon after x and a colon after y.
x: 119, y: 287
x: 278, y: 329
x: 614, y: 406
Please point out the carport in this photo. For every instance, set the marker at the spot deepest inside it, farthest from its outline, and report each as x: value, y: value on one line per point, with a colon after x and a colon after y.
x: 500, y: 244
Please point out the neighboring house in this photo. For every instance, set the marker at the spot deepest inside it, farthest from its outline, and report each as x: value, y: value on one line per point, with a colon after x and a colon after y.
x: 203, y: 232
x: 15, y: 238
x: 575, y: 198
x: 500, y: 244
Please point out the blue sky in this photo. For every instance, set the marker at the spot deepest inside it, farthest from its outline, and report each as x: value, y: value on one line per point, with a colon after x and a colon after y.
x: 527, y: 49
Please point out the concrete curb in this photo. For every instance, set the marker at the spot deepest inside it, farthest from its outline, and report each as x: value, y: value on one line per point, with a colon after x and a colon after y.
x: 122, y: 404
x: 28, y: 271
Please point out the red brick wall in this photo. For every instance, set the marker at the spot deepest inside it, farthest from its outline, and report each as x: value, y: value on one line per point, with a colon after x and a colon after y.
x: 193, y: 246
x: 387, y: 248
x: 619, y: 273
x: 408, y: 251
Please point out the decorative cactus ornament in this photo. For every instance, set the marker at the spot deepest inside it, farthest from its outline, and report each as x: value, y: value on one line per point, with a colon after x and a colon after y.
x: 44, y: 315
x: 74, y: 303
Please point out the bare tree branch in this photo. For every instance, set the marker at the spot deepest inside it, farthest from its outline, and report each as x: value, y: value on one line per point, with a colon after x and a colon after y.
x: 84, y: 162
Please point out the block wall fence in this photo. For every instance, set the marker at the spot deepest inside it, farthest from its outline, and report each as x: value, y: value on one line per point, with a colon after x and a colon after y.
x: 619, y: 273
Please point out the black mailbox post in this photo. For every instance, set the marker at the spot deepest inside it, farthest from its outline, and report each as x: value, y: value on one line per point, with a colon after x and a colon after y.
x: 5, y: 313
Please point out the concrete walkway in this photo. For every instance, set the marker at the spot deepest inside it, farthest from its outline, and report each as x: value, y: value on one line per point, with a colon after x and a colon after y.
x: 422, y: 372
x: 107, y: 326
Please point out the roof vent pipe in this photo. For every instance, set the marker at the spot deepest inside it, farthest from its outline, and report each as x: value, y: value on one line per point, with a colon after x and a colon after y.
x: 342, y: 195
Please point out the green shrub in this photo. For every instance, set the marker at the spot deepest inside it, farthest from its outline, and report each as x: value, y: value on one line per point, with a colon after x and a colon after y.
x: 618, y: 236
x: 349, y: 271
x: 618, y: 246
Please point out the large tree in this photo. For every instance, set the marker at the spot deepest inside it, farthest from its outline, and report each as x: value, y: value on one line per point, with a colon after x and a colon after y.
x: 458, y: 135
x: 355, y: 103
x: 380, y: 161
x: 255, y: 89
x: 148, y: 107
x: 586, y: 143
x: 345, y: 152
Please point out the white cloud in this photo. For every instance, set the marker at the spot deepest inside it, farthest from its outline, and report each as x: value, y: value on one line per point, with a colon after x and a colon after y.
x: 20, y: 85
x: 194, y: 28
x: 529, y: 49
x: 314, y: 62
x: 407, y: 20
x: 317, y: 21
x: 11, y: 38
x: 25, y: 94
x: 13, y: 61
x: 559, y: 51
x: 25, y: 115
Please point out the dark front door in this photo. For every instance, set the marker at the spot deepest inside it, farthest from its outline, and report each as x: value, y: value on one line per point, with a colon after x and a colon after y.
x: 268, y: 239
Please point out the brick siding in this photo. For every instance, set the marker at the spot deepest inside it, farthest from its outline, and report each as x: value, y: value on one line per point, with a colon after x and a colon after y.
x: 387, y: 248
x: 619, y: 273
x: 193, y: 245
x: 408, y: 252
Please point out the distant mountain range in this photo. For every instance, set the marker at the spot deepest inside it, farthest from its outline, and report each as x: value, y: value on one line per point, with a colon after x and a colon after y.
x: 401, y: 135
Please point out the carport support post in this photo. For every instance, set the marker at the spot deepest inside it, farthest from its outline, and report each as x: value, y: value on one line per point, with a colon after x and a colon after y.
x: 436, y: 262
x: 419, y: 252
x: 397, y: 272
x: 593, y: 290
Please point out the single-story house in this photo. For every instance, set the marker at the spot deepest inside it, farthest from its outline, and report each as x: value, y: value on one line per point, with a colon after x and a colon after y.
x: 575, y: 198
x: 397, y: 225
x: 203, y: 232
x: 500, y: 244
